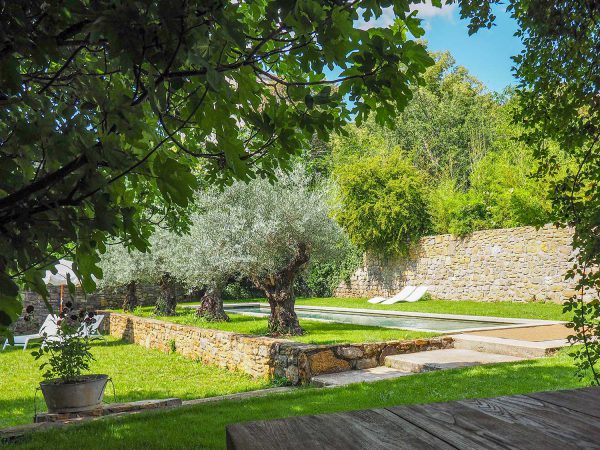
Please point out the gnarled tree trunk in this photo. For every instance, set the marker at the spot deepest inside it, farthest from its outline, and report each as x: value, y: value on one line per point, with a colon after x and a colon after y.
x: 130, y: 301
x: 212, y: 305
x: 279, y: 289
x: 283, y: 319
x: 167, y: 300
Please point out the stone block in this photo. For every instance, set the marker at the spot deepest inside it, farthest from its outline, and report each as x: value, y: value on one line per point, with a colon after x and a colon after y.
x: 325, y: 361
x: 350, y: 352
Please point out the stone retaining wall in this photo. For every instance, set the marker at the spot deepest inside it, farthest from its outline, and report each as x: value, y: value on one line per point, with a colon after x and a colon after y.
x: 256, y: 355
x: 492, y: 265
x: 302, y: 361
x: 250, y: 354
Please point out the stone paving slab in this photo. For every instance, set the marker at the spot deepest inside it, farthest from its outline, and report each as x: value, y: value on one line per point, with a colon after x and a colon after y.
x: 358, y: 376
x: 513, y: 347
x: 444, y: 359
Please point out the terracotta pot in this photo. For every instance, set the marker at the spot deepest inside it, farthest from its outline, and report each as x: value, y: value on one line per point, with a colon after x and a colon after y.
x: 83, y: 395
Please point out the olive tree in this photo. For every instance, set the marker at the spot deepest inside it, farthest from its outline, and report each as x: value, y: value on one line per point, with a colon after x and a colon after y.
x: 274, y: 230
x: 121, y: 269
x: 124, y: 267
x: 206, y: 258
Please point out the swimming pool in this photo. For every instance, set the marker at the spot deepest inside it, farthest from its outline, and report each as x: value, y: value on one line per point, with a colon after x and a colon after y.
x: 439, y: 323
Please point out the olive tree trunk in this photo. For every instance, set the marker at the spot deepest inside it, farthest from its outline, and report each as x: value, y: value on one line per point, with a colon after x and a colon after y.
x: 130, y: 301
x: 211, y: 307
x: 167, y: 300
x: 279, y: 290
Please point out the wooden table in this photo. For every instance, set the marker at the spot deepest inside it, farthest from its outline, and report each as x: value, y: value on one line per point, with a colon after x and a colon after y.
x: 541, y: 421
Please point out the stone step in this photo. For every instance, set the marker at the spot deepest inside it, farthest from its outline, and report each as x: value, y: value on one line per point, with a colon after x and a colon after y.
x: 357, y: 376
x: 444, y: 359
x: 510, y: 347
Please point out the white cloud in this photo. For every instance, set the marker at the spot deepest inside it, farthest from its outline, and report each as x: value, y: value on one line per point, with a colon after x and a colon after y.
x: 385, y: 20
x: 427, y: 10
x: 424, y: 11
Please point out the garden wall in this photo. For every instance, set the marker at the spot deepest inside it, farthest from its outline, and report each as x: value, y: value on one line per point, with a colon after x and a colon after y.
x: 491, y: 265
x: 256, y: 355
x: 108, y: 298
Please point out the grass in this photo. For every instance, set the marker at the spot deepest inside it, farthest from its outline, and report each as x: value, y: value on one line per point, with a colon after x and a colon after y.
x: 137, y: 374
x: 523, y: 310
x: 315, y: 332
x: 203, y: 426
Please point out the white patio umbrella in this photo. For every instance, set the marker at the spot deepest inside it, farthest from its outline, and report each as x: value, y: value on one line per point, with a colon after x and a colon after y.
x: 64, y: 272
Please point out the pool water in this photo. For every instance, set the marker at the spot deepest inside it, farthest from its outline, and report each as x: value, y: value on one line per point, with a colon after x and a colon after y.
x: 377, y: 319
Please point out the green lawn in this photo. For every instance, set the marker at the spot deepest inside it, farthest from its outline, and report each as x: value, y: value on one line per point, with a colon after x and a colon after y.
x: 314, y: 332
x: 137, y: 373
x: 523, y: 310
x: 203, y: 426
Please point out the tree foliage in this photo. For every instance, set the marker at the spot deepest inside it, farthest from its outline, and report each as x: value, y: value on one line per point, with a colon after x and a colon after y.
x: 124, y: 267
x: 283, y: 227
x: 560, y: 102
x: 449, y: 125
x: 107, y: 109
x: 464, y: 142
x: 382, y: 203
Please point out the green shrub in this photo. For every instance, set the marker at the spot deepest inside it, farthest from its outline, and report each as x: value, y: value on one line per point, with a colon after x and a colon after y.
x: 382, y: 203
x: 322, y: 278
x: 502, y: 194
x: 241, y: 289
x: 457, y: 212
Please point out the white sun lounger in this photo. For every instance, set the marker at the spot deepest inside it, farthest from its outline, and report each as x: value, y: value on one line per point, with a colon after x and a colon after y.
x: 400, y: 296
x: 92, y: 330
x: 417, y: 294
x: 376, y: 299
x: 48, y: 328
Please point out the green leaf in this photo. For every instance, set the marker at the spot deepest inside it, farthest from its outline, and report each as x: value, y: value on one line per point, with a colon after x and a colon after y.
x: 8, y: 287
x: 309, y: 101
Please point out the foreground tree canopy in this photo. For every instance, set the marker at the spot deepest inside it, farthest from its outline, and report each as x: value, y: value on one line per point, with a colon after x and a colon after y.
x: 109, y: 110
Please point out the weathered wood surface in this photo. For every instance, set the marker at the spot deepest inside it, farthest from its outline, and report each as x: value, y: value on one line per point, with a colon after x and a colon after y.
x: 560, y: 420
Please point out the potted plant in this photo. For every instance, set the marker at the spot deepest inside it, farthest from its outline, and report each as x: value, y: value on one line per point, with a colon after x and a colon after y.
x: 67, y: 347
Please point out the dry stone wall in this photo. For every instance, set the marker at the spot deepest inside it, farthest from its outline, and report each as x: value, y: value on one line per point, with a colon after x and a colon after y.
x: 522, y: 264
x: 256, y: 355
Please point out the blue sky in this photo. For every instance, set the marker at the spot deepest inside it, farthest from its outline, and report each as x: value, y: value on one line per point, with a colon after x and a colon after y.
x: 486, y: 54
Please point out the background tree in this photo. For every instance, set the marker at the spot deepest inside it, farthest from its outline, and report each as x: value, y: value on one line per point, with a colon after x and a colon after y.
x: 107, y: 109
x: 462, y: 139
x: 451, y: 122
x: 382, y: 203
x: 122, y: 267
x: 208, y: 255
